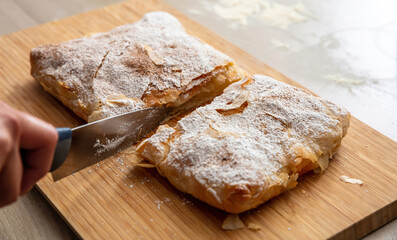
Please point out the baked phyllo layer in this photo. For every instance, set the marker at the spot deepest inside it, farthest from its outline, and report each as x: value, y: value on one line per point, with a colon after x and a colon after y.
x: 249, y: 145
x: 152, y: 62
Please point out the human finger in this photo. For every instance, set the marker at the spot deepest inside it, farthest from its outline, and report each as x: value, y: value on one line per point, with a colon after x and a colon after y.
x: 39, y: 139
x: 9, y: 134
x: 11, y: 178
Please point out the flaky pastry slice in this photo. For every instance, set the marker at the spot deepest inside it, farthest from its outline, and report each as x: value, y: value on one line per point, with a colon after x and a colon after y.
x: 249, y: 145
x: 152, y: 62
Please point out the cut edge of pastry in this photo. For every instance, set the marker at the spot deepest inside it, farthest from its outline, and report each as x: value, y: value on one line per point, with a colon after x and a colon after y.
x: 211, y: 84
x: 210, y: 88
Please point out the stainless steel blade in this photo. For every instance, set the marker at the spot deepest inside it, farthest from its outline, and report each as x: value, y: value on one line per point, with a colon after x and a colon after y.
x: 99, y: 140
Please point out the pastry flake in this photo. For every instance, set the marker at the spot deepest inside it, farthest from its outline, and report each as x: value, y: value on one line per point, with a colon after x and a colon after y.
x: 347, y: 179
x: 232, y: 222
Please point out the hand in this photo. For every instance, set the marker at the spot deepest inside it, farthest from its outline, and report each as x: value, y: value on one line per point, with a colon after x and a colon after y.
x: 20, y: 130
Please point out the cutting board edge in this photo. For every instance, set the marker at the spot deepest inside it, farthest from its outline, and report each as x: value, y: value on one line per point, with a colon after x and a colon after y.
x: 53, y: 205
x: 385, y: 215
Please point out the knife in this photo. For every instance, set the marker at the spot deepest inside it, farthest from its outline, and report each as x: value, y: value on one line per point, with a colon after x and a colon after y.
x: 88, y: 144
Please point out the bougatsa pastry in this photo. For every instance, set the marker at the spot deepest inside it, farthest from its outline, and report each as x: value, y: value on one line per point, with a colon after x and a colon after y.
x: 245, y: 147
x: 249, y: 145
x: 153, y: 62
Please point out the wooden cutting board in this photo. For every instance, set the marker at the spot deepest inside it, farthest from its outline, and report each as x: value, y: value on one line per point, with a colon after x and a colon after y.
x: 116, y: 199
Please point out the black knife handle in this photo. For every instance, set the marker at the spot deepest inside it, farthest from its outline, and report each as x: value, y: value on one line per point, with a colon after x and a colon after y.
x: 62, y: 148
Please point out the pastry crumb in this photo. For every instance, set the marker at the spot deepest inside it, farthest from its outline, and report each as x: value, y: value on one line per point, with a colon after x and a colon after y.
x: 302, y: 191
x: 253, y: 226
x: 232, y: 222
x: 347, y: 179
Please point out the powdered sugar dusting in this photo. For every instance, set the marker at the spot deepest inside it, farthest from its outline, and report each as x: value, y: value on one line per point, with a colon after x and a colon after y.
x: 222, y: 149
x: 154, y: 54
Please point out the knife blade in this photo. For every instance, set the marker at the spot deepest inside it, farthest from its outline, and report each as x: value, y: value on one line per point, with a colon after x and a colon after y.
x: 88, y: 144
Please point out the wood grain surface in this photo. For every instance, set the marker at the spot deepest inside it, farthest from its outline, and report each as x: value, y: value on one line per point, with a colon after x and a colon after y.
x: 119, y: 200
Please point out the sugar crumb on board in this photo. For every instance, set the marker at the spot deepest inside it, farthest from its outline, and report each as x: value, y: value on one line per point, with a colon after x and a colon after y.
x: 159, y: 203
x: 347, y: 179
x: 120, y: 161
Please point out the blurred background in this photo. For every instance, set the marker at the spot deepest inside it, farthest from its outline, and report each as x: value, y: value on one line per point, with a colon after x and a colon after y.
x: 342, y: 50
